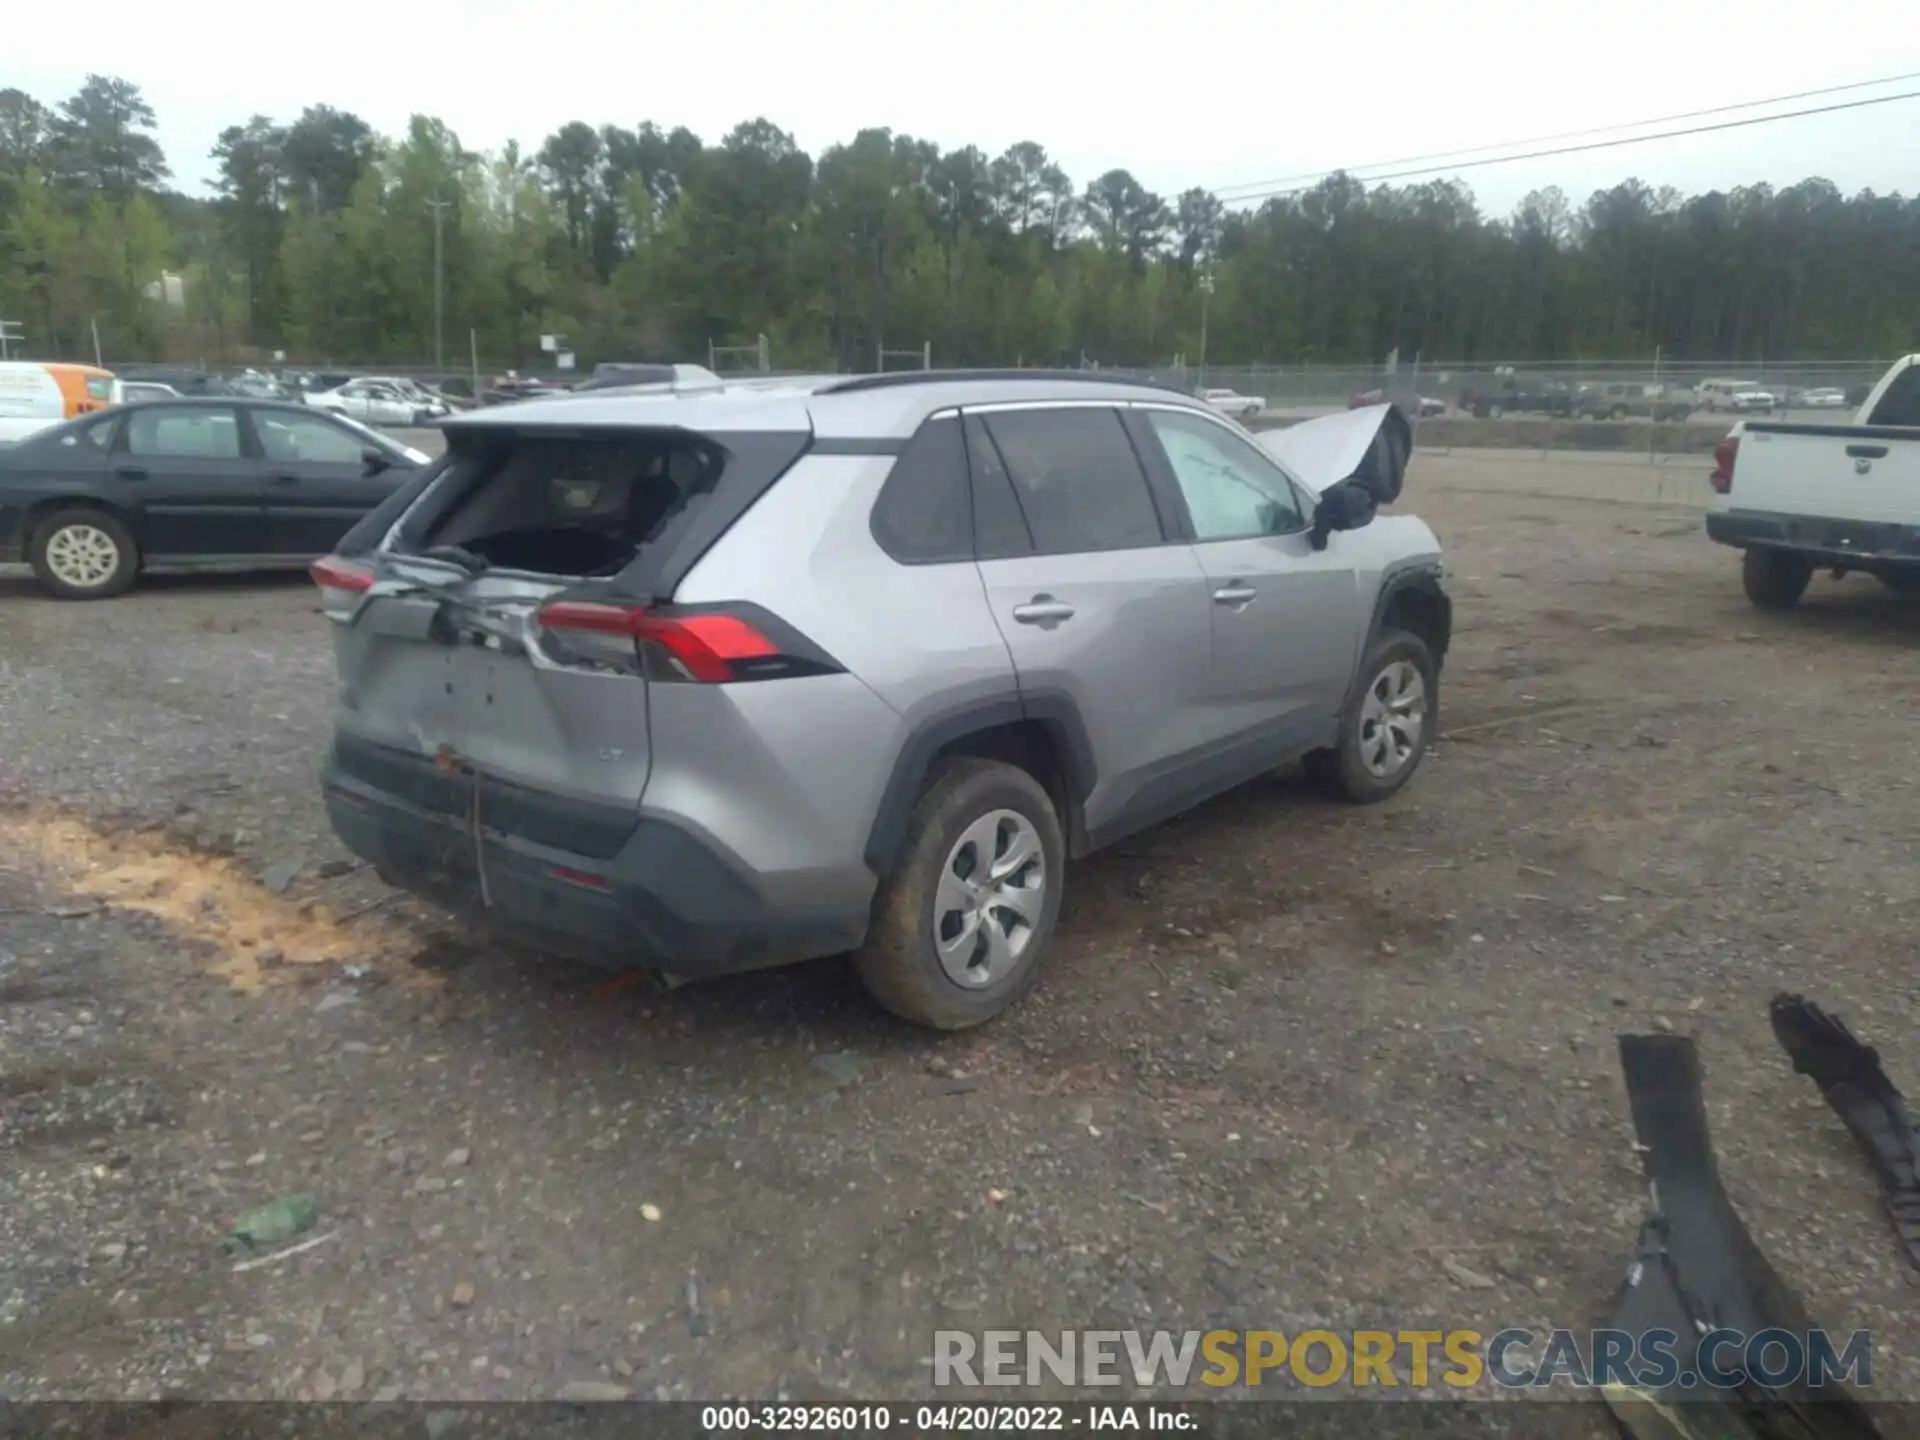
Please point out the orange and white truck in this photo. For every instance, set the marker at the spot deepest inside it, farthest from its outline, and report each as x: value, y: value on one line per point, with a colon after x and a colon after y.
x: 36, y: 394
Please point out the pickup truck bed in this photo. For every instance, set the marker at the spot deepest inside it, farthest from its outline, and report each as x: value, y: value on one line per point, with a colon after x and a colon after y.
x: 1797, y: 498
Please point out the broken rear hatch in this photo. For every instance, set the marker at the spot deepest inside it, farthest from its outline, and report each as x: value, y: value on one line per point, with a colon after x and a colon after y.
x: 496, y: 644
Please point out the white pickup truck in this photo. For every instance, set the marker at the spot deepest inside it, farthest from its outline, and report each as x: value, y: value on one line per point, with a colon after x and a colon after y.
x: 1796, y: 498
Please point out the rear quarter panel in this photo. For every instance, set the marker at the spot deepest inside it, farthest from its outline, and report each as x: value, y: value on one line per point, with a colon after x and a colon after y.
x: 917, y: 642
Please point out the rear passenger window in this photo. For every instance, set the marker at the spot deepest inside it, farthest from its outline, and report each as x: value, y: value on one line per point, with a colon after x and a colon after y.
x: 1077, y: 478
x: 1901, y: 404
x: 924, y: 515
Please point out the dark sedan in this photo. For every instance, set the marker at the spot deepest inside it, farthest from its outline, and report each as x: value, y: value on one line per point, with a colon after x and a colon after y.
x: 189, y: 485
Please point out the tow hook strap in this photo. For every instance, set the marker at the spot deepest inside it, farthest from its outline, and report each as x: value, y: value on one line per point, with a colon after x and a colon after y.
x: 1849, y: 1075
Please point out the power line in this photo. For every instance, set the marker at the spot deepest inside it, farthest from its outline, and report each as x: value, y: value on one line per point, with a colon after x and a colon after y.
x: 1591, y: 145
x: 1263, y: 187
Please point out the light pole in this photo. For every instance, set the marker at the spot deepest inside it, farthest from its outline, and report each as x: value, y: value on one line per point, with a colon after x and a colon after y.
x: 439, y: 208
x: 1206, y: 304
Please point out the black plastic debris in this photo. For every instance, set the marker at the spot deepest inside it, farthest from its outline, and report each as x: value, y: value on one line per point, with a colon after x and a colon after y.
x: 1849, y: 1076
x: 1696, y: 1268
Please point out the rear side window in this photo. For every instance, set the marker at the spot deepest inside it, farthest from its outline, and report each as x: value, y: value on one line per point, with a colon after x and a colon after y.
x: 1901, y: 404
x: 99, y: 387
x: 193, y: 432
x: 1078, y: 480
x: 924, y: 515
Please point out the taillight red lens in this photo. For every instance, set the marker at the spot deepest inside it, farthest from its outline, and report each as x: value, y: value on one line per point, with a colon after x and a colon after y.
x: 1724, y: 454
x: 332, y: 573
x: 342, y: 583
x: 705, y: 647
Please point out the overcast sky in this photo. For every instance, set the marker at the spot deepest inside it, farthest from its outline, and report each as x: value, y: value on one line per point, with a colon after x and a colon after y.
x: 1219, y: 95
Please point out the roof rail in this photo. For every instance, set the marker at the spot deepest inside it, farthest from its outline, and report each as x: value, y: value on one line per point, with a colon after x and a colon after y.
x: 893, y: 379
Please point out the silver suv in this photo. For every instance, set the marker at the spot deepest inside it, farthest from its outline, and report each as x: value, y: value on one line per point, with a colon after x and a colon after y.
x: 712, y: 682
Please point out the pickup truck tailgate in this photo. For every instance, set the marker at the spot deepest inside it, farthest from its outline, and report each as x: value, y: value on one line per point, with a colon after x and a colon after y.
x: 1841, y: 472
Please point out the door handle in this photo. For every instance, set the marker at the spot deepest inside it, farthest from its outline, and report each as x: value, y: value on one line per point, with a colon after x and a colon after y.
x: 1867, y: 452
x: 1235, y: 595
x: 284, y: 479
x: 130, y: 472
x: 1043, y: 610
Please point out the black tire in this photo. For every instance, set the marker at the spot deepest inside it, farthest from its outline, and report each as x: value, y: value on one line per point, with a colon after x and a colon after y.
x: 1618, y: 412
x: 1774, y: 579
x: 126, y: 565
x: 1343, y: 770
x: 898, y: 964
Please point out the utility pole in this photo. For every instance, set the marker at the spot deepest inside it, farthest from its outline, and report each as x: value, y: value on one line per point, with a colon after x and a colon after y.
x: 439, y: 208
x: 1206, y: 304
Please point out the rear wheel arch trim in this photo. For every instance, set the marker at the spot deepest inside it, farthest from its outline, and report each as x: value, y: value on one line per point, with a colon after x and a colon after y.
x: 1054, y: 711
x: 43, y: 510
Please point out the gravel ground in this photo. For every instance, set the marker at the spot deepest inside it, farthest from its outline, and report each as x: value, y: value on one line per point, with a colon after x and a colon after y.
x: 1290, y: 1060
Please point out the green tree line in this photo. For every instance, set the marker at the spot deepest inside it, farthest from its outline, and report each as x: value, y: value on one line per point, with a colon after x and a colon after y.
x: 647, y: 243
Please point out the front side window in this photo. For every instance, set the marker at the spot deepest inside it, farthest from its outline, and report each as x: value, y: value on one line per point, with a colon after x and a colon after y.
x: 1233, y: 492
x: 194, y: 433
x: 1078, y: 480
x: 291, y: 439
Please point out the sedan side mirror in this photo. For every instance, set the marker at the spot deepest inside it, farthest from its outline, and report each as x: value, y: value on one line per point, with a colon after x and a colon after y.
x: 1346, y: 505
x: 376, y: 460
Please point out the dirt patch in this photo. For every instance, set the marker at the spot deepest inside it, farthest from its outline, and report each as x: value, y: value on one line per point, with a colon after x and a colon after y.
x: 254, y: 938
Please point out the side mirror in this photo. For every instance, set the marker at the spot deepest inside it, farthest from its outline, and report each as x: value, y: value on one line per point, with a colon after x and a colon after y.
x: 376, y: 460
x: 1346, y: 505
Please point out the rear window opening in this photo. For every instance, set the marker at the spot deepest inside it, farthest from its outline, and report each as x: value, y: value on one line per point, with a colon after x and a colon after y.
x: 640, y: 504
x: 572, y: 505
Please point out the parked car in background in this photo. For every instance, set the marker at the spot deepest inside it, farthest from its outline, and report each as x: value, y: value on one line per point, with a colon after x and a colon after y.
x: 1516, y: 395
x: 189, y: 484
x: 256, y: 386
x: 509, y: 388
x: 1635, y: 399
x: 36, y: 395
x: 134, y: 391
x: 1231, y: 402
x: 1796, y: 497
x: 377, y: 401
x: 637, y: 378
x: 1733, y: 397
x: 1422, y: 405
x: 1824, y: 397
x: 705, y: 749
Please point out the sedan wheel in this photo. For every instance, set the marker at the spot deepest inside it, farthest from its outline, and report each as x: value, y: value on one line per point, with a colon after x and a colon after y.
x: 84, y: 555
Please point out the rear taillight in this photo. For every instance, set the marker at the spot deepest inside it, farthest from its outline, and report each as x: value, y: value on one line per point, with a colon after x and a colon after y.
x: 705, y: 646
x: 1724, y: 454
x: 342, y: 583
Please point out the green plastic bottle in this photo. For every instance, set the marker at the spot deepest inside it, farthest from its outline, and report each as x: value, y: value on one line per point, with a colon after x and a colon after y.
x: 273, y: 1223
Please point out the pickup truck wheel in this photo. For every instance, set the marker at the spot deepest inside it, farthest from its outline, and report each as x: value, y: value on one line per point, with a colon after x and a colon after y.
x: 1494, y: 412
x: 1387, y: 723
x: 84, y: 555
x: 1774, y: 579
x: 961, y: 925
x: 1618, y: 412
